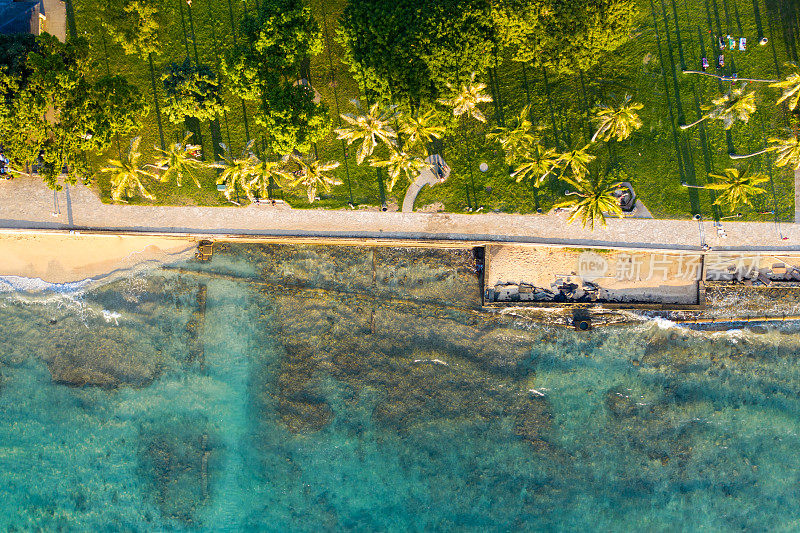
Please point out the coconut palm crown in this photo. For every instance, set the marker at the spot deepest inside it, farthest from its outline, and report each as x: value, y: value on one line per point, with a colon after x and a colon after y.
x: 466, y: 100
x: 536, y: 164
x: 371, y: 128
x: 401, y: 163
x: 126, y: 174
x: 591, y: 200
x: 736, y: 188
x: 730, y: 107
x: 617, y: 122
x: 791, y: 90
x: 311, y: 175
x: 422, y: 127
x: 263, y: 175
x: 517, y: 141
x: 787, y: 151
x: 237, y: 172
x: 179, y: 159
x: 576, y: 161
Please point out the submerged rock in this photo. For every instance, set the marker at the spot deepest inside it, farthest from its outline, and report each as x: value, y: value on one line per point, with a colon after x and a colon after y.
x: 175, y: 463
x: 424, y: 363
x: 114, y: 358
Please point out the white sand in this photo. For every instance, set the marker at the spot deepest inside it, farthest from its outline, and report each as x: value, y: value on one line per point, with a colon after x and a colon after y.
x: 651, y: 277
x: 60, y: 258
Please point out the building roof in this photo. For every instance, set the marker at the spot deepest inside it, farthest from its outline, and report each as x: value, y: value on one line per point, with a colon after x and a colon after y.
x: 19, y: 17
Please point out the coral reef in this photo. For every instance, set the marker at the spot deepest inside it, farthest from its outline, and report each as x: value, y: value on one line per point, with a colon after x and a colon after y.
x: 174, y: 463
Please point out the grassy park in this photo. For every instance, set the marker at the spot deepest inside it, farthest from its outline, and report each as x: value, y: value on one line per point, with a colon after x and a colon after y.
x: 670, y: 36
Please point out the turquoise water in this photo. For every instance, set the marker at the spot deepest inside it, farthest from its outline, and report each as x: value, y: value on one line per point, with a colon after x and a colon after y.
x: 307, y: 389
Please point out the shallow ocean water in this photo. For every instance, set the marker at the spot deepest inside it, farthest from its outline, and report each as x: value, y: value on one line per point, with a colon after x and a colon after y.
x: 307, y: 389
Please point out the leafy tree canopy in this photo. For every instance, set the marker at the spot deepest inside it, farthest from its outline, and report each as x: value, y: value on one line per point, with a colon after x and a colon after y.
x: 292, y: 119
x: 53, y: 113
x: 273, y: 45
x: 192, y: 91
x: 14, y: 50
x: 265, y: 67
x: 563, y: 34
x: 133, y: 24
x: 409, y: 49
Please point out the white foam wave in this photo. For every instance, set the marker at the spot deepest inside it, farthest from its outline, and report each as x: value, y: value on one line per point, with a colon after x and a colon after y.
x: 111, y: 315
x: 664, y: 323
x: 38, y: 285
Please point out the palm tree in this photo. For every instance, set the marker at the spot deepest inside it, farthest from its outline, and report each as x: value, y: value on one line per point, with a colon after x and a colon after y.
x: 400, y: 162
x: 371, y: 127
x: 736, y: 189
x: 728, y: 108
x: 423, y: 127
x: 788, y: 151
x: 237, y: 172
x: 536, y: 164
x: 517, y: 142
x: 264, y: 174
x: 591, y: 199
x: 617, y: 122
x: 179, y: 159
x: 126, y: 175
x: 791, y: 90
x: 576, y: 161
x: 312, y: 175
x: 466, y: 100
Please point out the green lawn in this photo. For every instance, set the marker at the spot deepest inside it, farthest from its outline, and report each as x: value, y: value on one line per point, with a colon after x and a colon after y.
x: 656, y: 159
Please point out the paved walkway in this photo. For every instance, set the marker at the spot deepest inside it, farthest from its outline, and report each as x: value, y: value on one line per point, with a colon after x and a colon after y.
x: 797, y: 195
x: 425, y: 177
x: 26, y: 203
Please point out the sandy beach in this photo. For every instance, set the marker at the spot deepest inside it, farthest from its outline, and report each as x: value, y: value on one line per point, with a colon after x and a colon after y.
x: 64, y: 258
x: 621, y: 276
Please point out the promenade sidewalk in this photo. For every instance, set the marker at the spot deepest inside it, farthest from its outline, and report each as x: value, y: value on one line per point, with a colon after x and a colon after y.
x: 27, y: 204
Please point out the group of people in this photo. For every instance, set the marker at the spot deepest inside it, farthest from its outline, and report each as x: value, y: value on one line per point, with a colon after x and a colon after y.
x: 5, y: 171
x: 727, y: 43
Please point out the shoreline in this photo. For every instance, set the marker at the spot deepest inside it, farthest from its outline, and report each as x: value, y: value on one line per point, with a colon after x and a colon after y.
x: 72, y: 258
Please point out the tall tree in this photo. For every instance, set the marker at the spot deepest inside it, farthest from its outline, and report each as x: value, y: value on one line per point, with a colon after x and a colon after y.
x: 134, y: 25
x: 264, y: 175
x: 406, y: 50
x: 423, y: 126
x: 371, y: 127
x: 192, y: 91
x: 466, y: 99
x: 790, y: 90
x: 178, y: 160
x: 126, y: 174
x: 787, y: 152
x: 236, y: 172
x: 566, y: 35
x: 728, y: 108
x: 536, y: 164
x: 265, y: 67
x: 401, y: 163
x: 517, y: 140
x: 312, y: 175
x: 55, y: 113
x: 617, y: 122
x: 735, y: 188
x: 591, y: 200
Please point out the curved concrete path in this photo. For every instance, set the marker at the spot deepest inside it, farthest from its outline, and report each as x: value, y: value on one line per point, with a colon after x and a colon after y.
x: 426, y: 177
x: 26, y: 203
